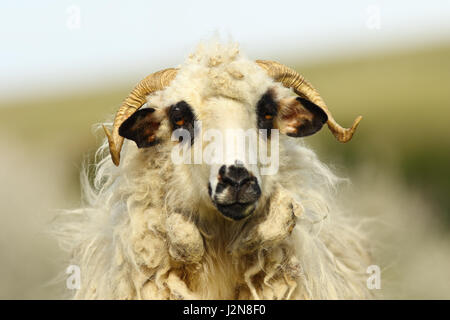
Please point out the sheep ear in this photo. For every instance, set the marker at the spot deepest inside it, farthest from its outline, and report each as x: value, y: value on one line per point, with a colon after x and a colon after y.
x: 300, y: 117
x: 141, y: 127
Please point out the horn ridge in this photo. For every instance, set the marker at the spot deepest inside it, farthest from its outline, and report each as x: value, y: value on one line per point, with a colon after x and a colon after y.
x: 291, y: 79
x: 135, y: 100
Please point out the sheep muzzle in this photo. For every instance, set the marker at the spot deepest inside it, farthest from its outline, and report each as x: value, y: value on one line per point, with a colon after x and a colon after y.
x: 236, y: 192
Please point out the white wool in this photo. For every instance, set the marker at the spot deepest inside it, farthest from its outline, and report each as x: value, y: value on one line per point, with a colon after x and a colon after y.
x: 147, y: 229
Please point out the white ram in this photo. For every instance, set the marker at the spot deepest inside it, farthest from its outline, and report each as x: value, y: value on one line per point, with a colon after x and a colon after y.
x: 156, y: 229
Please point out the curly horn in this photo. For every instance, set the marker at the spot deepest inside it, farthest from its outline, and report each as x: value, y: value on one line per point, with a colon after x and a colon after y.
x: 154, y: 82
x: 291, y: 79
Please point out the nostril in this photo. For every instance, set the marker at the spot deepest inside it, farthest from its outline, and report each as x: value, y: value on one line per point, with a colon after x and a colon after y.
x: 222, y: 171
x: 230, y: 182
x: 247, y: 181
x: 235, y: 175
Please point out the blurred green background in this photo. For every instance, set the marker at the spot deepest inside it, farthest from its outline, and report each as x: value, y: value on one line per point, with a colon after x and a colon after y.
x: 398, y: 162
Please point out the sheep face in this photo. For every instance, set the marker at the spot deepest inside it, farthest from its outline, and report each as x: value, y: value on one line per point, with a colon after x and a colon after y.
x: 220, y: 120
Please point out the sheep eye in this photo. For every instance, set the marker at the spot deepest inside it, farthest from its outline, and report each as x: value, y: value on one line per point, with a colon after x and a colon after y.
x: 266, y: 110
x: 182, y: 116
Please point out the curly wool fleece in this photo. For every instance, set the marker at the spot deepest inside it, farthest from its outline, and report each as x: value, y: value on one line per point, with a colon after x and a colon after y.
x: 148, y: 230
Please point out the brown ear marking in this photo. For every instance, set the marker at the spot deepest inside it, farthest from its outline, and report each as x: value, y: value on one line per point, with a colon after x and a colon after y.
x: 300, y: 117
x: 141, y: 127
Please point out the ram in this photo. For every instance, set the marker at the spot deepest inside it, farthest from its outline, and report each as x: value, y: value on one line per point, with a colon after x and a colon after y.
x: 155, y: 228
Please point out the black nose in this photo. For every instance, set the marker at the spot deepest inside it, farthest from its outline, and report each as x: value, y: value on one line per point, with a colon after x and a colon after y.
x: 237, y: 192
x: 235, y: 175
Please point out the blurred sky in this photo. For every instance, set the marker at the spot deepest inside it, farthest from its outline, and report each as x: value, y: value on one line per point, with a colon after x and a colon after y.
x: 68, y: 44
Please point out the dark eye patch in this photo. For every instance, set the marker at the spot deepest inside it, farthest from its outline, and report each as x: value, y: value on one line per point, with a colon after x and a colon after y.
x: 266, y: 111
x: 182, y: 116
x: 142, y: 128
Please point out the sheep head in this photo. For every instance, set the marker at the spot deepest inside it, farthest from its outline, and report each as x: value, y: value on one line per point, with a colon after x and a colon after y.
x: 224, y: 93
